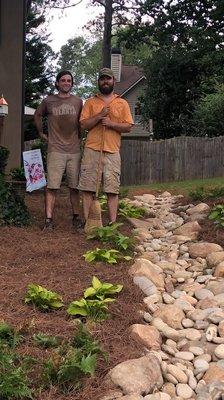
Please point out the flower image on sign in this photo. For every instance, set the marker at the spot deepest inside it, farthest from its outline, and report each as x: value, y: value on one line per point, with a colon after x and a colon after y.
x: 34, y: 170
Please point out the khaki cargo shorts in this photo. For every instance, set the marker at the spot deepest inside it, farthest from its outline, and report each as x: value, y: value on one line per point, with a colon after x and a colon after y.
x: 110, y: 171
x: 57, y: 164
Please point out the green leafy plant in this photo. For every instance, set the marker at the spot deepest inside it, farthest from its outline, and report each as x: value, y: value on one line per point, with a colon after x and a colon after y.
x: 43, y: 298
x: 104, y: 233
x: 69, y: 364
x: 101, y: 290
x: 95, y: 309
x: 109, y: 256
x: 217, y: 214
x: 202, y: 194
x: 129, y: 210
x: 8, y: 335
x: 123, y: 192
x: 4, y: 155
x: 123, y: 242
x: 45, y: 341
x: 13, y: 376
x: 13, y: 210
x: 18, y: 174
x: 103, y: 202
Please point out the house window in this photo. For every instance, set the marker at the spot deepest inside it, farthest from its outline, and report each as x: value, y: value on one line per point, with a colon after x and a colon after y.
x: 138, y: 113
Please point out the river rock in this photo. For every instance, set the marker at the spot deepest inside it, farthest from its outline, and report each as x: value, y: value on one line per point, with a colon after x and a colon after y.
x: 203, y: 249
x: 177, y: 373
x: 149, y: 336
x: 199, y: 208
x: 140, y: 376
x: 184, y: 391
x: 219, y: 351
x: 190, y: 229
x: 171, y: 315
x: 219, y: 270
x: 201, y: 294
x: 146, y: 268
x: 165, y: 329
x: 145, y: 284
x: 216, y: 287
x: 215, y: 373
x: 214, y: 258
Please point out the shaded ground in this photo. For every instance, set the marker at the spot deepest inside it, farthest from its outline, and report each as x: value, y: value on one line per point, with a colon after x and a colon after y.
x: 55, y: 261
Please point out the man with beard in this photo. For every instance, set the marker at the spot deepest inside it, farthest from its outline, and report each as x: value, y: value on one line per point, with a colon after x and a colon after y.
x: 105, y: 116
x: 62, y: 111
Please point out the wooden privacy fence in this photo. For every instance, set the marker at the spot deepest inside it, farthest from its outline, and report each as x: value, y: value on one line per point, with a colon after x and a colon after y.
x: 179, y: 158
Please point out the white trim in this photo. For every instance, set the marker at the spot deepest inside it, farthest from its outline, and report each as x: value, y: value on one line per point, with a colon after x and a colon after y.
x: 133, y: 85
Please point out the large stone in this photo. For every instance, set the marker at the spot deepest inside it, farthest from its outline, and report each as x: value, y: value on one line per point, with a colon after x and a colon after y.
x: 215, y: 258
x: 202, y: 249
x: 145, y: 284
x: 138, y: 376
x: 190, y: 229
x: 219, y: 270
x: 184, y: 391
x: 165, y: 329
x: 177, y: 373
x: 171, y: 315
x: 147, y: 335
x: 199, y: 208
x: 146, y: 268
x: 214, y: 374
x: 112, y: 395
x: 216, y: 287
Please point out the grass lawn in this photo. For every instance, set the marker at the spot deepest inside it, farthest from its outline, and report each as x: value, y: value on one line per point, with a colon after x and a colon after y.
x: 180, y: 187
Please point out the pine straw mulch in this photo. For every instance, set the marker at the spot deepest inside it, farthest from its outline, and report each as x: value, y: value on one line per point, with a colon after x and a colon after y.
x: 55, y: 261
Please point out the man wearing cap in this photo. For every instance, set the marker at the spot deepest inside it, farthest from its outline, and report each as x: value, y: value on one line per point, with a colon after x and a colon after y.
x: 105, y: 116
x: 62, y: 111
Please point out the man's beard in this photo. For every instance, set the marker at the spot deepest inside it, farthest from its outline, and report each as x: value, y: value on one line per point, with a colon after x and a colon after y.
x: 108, y: 89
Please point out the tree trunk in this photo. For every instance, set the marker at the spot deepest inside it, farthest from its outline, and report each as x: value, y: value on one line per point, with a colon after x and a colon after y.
x: 106, y: 48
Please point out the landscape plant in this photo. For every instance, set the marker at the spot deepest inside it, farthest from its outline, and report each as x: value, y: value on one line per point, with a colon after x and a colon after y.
x: 110, y: 256
x: 45, y: 341
x: 217, y: 214
x: 17, y: 174
x: 126, y: 209
x: 42, y: 298
x: 110, y: 234
x: 70, y: 363
x: 13, y: 210
x: 14, y: 382
x: 4, y: 154
x: 9, y: 335
x: 101, y: 290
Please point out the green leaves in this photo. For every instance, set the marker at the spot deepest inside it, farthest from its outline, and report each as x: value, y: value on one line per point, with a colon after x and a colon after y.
x: 45, y: 341
x: 128, y: 210
x: 95, y: 301
x: 43, y: 298
x: 100, y: 290
x: 108, y: 256
x: 110, y: 234
x: 217, y: 214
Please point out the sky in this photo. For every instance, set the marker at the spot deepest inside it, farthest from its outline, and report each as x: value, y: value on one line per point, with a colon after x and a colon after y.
x: 69, y: 23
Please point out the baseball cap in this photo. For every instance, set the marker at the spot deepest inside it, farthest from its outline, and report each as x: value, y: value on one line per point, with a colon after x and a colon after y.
x: 106, y: 72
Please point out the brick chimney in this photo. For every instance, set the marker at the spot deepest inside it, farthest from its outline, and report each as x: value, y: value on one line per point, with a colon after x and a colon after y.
x: 116, y: 62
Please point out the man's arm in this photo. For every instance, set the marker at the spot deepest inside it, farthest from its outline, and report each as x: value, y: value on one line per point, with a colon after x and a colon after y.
x: 121, y: 127
x: 39, y: 124
x: 89, y: 123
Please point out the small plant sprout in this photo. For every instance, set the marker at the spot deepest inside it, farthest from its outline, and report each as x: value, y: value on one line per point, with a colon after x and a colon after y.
x: 108, y: 256
x: 101, y: 290
x: 95, y: 309
x: 42, y: 298
x: 45, y: 341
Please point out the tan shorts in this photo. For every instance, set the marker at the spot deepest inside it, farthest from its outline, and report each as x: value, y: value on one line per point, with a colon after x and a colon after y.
x: 110, y: 171
x: 57, y: 164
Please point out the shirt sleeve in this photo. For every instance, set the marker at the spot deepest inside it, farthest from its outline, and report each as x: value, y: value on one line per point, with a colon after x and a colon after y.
x: 86, y: 111
x: 127, y: 114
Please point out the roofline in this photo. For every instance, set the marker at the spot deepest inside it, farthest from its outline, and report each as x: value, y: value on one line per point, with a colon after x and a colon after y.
x: 133, y: 85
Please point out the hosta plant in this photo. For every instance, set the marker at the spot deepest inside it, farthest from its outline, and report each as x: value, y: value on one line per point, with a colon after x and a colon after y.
x: 110, y: 234
x: 42, y: 298
x: 110, y: 256
x: 129, y: 210
x: 217, y: 214
x: 95, y: 309
x: 101, y: 290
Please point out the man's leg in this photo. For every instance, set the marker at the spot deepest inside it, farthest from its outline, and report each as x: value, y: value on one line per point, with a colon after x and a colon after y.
x: 75, y: 201
x: 112, y: 206
x: 50, y: 196
x: 87, y: 198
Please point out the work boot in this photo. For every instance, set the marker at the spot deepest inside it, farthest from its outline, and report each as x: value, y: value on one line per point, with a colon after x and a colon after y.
x: 78, y: 223
x: 48, y: 226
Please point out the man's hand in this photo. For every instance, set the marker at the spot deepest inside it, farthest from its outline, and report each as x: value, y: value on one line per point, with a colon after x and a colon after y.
x: 106, y: 121
x: 104, y: 112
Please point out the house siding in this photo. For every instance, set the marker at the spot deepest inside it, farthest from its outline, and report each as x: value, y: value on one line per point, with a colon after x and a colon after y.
x: 132, y: 97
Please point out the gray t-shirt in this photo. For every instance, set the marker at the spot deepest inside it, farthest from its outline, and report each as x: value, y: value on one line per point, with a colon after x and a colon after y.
x: 63, y: 122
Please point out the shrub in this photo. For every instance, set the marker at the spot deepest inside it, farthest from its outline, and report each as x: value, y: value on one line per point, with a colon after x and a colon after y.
x: 18, y: 174
x: 217, y: 214
x: 13, y: 210
x: 4, y: 154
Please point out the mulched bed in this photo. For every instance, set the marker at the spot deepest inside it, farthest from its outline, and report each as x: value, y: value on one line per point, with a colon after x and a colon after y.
x: 55, y: 261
